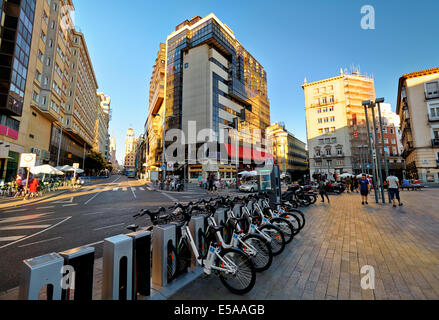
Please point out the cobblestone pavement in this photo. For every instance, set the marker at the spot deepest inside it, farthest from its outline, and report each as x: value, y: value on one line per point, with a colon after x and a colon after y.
x: 324, y: 260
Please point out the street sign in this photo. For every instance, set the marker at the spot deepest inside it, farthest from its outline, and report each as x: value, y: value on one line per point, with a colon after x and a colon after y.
x: 28, y: 160
x: 269, y: 162
x: 170, y: 166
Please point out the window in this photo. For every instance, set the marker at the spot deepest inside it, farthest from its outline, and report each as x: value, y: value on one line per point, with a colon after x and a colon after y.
x: 321, y: 141
x: 333, y: 140
x: 324, y: 101
x: 339, y: 152
x: 393, y: 141
x: 432, y: 89
x: 326, y: 120
x: 38, y: 76
x: 386, y: 141
x: 392, y: 131
x: 434, y: 111
x: 384, y: 130
x: 328, y: 140
x: 319, y: 110
x: 332, y: 119
x: 331, y: 108
x: 320, y: 131
x: 326, y: 130
x: 320, y: 120
x: 52, y: 25
x: 332, y: 129
x: 43, y: 37
x: 395, y: 152
x: 340, y: 162
x: 331, y: 99
x: 317, y: 153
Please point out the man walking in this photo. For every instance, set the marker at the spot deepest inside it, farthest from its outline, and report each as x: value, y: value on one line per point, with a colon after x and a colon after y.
x: 394, y: 189
x: 364, y: 188
x: 322, y: 190
x: 348, y: 184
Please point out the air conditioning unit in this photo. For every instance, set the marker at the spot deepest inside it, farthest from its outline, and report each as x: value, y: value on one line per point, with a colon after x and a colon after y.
x: 36, y: 151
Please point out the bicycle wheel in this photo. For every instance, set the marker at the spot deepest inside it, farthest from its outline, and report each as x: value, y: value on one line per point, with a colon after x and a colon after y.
x: 264, y: 256
x: 277, y: 238
x: 286, y: 227
x: 244, y: 277
x: 172, y: 262
x: 184, y: 258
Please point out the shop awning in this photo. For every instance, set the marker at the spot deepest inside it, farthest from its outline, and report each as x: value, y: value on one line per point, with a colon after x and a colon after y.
x: 247, y: 153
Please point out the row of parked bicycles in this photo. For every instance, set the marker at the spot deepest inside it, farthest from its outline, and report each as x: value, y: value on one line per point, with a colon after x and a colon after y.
x: 240, y: 238
x: 9, y: 190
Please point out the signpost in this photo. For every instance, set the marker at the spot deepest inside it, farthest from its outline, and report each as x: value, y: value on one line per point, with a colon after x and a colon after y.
x: 27, y: 160
x: 76, y: 166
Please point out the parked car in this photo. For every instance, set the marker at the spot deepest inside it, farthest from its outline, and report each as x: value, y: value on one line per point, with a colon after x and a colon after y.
x: 249, y: 187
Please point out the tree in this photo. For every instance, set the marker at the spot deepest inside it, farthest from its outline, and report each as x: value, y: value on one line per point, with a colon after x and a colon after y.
x: 95, y: 162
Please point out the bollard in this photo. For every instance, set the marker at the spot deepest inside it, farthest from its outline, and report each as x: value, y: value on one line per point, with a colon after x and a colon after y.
x: 196, y: 226
x: 82, y: 261
x: 162, y: 235
x: 117, y: 270
x: 38, y: 272
x: 141, y: 263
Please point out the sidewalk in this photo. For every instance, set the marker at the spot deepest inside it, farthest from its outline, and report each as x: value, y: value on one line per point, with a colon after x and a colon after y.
x: 7, y: 203
x: 324, y: 260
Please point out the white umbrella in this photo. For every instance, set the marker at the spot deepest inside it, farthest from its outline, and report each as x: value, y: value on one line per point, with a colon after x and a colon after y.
x: 79, y: 171
x: 66, y: 168
x: 345, y: 175
x: 45, y: 169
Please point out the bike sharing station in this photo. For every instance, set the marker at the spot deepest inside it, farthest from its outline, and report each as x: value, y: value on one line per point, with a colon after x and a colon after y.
x: 134, y: 266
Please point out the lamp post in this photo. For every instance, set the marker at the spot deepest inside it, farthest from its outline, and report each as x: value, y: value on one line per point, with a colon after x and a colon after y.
x: 366, y: 104
x: 59, y: 144
x: 386, y: 166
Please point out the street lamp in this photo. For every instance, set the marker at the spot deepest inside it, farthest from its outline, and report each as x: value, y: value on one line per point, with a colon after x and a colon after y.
x: 377, y: 170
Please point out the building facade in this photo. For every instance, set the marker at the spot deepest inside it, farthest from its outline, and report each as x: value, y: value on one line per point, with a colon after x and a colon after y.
x: 59, y: 105
x: 336, y: 126
x: 289, y: 153
x: 103, y: 117
x: 130, y: 150
x: 211, y: 82
x: 17, y: 37
x: 418, y: 109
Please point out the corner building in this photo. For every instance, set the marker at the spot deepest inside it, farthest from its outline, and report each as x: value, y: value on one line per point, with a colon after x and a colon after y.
x: 213, y: 80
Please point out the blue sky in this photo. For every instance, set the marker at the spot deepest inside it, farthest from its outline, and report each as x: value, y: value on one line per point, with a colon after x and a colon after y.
x: 291, y: 39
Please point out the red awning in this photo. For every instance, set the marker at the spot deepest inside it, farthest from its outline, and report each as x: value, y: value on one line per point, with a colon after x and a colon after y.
x: 247, y: 153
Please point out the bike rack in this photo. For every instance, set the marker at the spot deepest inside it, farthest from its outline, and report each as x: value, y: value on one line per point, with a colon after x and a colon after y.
x: 220, y: 216
x: 196, y: 225
x: 141, y: 263
x: 38, y: 272
x: 162, y: 235
x: 82, y: 261
x: 117, y: 273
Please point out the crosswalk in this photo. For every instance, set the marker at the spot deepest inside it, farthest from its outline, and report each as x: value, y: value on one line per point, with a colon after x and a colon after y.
x: 114, y: 189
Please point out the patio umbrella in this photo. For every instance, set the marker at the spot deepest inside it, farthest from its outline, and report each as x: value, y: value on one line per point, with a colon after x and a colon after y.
x: 66, y: 168
x: 345, y: 175
x: 45, y: 169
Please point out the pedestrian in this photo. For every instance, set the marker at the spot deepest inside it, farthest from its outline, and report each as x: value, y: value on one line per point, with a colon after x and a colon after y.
x: 364, y: 188
x: 348, y: 184
x: 322, y: 190
x: 33, y: 188
x: 19, y: 185
x: 211, y: 184
x: 394, y: 189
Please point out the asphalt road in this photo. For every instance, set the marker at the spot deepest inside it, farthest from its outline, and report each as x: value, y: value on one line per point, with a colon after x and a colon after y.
x: 76, y: 218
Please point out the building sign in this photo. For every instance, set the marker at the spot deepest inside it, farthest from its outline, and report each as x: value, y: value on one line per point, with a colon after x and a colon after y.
x: 76, y: 165
x: 28, y: 160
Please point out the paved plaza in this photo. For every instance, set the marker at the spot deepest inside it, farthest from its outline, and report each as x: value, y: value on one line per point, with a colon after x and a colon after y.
x: 324, y: 260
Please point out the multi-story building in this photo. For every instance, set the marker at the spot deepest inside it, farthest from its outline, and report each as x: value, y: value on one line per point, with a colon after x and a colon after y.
x: 154, y: 123
x: 335, y: 121
x: 130, y: 150
x: 17, y: 28
x: 101, y: 138
x: 289, y: 153
x: 211, y: 80
x: 392, y: 138
x: 418, y: 109
x: 57, y: 105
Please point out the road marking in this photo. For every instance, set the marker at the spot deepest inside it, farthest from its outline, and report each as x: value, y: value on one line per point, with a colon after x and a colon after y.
x: 142, y: 189
x: 90, y: 214
x: 93, y: 244
x: 35, y: 234
x: 23, y: 218
x: 41, y: 208
x: 35, y: 226
x: 7, y: 239
x: 65, y: 201
x: 42, y: 241
x: 124, y: 188
x: 12, y: 211
x: 149, y: 188
x: 116, y: 225
x: 115, y: 189
x: 132, y: 190
x: 70, y: 205
x: 170, y: 197
x: 101, y: 191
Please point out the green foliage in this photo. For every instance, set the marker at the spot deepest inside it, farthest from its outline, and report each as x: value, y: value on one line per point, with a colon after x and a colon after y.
x: 95, y: 162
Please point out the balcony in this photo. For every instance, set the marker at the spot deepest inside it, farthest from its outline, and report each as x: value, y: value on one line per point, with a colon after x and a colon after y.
x: 433, y: 119
x: 435, y: 143
x: 11, y: 106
